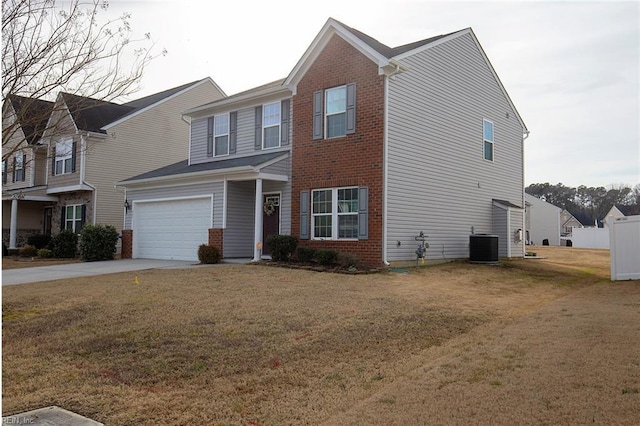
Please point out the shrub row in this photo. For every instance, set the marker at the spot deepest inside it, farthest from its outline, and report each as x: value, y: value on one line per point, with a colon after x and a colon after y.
x: 97, y: 242
x: 283, y: 246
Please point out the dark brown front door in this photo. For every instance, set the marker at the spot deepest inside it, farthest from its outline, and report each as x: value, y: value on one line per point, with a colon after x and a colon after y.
x: 270, y: 219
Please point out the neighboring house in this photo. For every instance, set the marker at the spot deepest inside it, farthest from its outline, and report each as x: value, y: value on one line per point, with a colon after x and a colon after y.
x: 542, y: 221
x: 359, y: 149
x: 617, y: 211
x: 568, y: 221
x: 72, y: 162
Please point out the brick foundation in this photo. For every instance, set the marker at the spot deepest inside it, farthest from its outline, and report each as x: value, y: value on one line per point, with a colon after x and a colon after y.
x: 216, y: 238
x: 127, y: 244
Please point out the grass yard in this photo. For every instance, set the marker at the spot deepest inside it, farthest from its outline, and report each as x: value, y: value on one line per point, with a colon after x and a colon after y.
x: 260, y: 345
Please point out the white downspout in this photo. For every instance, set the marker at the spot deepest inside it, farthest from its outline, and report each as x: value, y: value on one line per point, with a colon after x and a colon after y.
x: 385, y: 171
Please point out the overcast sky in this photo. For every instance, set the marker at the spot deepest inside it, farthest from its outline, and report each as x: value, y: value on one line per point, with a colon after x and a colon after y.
x: 571, y: 68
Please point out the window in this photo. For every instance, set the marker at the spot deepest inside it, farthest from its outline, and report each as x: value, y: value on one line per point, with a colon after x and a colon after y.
x: 271, y: 125
x: 335, y: 213
x: 18, y: 167
x: 74, y: 218
x: 64, y: 157
x: 221, y: 135
x: 487, y: 134
x: 336, y: 112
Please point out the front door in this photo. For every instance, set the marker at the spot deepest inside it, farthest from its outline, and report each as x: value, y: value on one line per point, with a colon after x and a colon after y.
x: 270, y: 219
x: 48, y: 214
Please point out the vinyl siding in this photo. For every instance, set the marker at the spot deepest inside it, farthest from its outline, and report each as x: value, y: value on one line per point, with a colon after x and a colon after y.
x: 245, y: 135
x: 543, y: 221
x: 149, y: 140
x: 438, y: 180
x: 238, y: 236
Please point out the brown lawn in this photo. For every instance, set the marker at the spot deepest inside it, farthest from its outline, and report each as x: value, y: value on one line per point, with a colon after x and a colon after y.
x: 452, y: 343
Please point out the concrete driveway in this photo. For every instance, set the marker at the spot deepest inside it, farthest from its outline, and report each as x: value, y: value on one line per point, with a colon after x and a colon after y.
x: 85, y: 269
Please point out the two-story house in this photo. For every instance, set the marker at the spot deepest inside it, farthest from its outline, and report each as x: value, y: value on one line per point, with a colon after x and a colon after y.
x: 359, y: 149
x: 70, y: 167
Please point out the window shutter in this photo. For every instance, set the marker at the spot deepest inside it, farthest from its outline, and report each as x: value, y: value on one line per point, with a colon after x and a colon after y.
x: 317, y: 115
x: 4, y: 171
x: 284, y: 122
x: 53, y: 160
x: 304, y: 215
x: 63, y: 218
x: 210, y: 137
x: 13, y: 174
x: 83, y: 218
x: 258, y: 134
x: 233, y: 138
x: 351, y: 108
x: 73, y: 156
x: 24, y: 167
x: 363, y: 213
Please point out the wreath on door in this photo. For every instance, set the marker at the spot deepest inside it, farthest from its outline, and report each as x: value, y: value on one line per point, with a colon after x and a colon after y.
x: 269, y: 207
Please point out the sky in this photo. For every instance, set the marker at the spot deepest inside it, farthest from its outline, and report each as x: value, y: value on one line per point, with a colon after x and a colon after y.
x: 571, y: 68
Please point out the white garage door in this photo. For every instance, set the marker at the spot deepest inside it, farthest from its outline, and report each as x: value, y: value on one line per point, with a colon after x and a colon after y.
x: 171, y: 230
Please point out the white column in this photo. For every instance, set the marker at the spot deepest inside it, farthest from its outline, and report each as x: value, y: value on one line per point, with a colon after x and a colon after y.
x: 13, y: 230
x: 257, y: 243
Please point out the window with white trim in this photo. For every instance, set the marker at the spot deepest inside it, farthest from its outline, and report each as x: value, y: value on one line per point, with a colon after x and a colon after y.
x: 487, y: 136
x: 221, y: 135
x: 271, y: 125
x: 64, y: 157
x: 336, y: 112
x: 18, y: 170
x: 73, y: 219
x: 335, y: 213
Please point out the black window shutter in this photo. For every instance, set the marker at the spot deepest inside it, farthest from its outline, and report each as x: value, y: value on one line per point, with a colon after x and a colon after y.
x: 284, y: 122
x: 363, y: 213
x: 351, y: 108
x: 83, y: 218
x: 74, y: 147
x: 13, y: 174
x: 210, y: 137
x: 53, y: 160
x: 63, y: 218
x: 24, y: 167
x: 258, y: 134
x: 4, y: 171
x: 317, y: 115
x: 304, y: 215
x: 233, y: 134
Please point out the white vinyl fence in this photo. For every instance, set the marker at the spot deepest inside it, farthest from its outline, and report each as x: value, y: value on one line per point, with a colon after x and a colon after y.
x: 597, y: 238
x: 624, y: 236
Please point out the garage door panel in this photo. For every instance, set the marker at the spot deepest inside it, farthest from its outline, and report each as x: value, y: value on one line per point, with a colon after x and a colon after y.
x: 171, y: 229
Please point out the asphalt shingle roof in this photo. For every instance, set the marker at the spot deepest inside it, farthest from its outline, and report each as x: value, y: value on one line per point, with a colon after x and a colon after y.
x: 33, y: 115
x: 182, y: 167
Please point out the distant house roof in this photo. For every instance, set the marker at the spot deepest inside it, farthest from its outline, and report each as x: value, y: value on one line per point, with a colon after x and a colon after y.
x: 183, y: 167
x: 629, y: 210
x: 33, y: 115
x: 93, y: 115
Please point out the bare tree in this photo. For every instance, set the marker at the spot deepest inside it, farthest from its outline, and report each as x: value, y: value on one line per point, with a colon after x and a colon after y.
x: 51, y: 47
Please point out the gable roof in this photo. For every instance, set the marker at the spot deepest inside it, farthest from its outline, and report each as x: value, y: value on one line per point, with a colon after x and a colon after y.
x: 33, y: 115
x: 631, y: 210
x: 94, y: 115
x: 387, y: 58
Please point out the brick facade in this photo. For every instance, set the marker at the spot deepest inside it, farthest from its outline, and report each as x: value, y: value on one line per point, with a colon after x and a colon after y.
x: 216, y: 238
x: 127, y: 244
x: 353, y: 160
